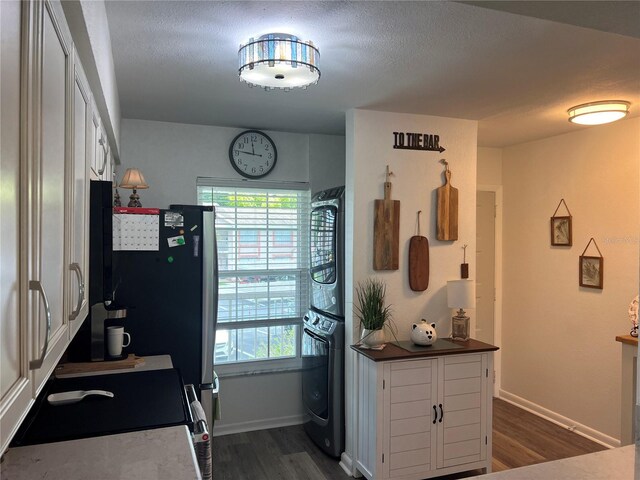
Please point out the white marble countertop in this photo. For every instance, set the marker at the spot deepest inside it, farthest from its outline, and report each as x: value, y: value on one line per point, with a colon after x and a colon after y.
x: 617, y: 463
x: 158, y: 454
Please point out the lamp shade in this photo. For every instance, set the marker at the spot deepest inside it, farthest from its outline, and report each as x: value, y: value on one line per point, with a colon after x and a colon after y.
x: 597, y: 113
x: 279, y: 60
x: 461, y: 294
x: 133, y: 178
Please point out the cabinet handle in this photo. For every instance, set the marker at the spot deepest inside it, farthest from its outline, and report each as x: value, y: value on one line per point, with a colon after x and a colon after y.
x: 104, y: 158
x: 435, y: 415
x: 36, y: 285
x: 441, y: 413
x: 76, y: 268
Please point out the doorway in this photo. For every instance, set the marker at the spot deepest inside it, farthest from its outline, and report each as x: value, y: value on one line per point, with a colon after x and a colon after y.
x: 485, y: 266
x: 488, y: 270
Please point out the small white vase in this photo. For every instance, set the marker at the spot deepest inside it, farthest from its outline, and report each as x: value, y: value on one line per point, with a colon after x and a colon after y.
x: 372, y: 338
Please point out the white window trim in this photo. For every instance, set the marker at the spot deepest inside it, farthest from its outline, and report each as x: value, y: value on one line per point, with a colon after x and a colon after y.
x: 269, y: 365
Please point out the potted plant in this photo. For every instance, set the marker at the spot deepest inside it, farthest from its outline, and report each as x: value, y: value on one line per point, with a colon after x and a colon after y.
x: 373, y: 313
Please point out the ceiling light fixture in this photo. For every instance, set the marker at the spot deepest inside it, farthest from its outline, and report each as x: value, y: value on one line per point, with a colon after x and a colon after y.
x: 597, y: 113
x: 279, y: 60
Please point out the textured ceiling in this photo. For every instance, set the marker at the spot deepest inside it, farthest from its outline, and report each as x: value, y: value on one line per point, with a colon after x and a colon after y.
x: 515, y: 74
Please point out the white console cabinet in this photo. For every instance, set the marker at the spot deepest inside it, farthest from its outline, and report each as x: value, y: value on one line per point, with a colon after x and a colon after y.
x: 422, y: 416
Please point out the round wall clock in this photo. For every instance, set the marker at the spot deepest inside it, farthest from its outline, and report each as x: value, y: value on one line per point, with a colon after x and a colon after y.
x: 253, y: 154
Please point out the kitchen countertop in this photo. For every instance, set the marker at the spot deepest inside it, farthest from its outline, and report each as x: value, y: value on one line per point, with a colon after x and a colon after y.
x: 617, y: 463
x: 394, y: 352
x: 162, y: 453
x: 158, y: 454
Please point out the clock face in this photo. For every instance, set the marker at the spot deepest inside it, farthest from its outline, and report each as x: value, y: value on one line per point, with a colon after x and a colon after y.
x: 253, y: 154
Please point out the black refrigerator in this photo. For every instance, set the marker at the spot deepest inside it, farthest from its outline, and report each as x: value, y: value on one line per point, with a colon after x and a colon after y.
x: 171, y: 295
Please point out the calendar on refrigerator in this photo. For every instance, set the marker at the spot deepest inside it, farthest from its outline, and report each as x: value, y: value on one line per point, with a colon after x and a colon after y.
x: 136, y: 229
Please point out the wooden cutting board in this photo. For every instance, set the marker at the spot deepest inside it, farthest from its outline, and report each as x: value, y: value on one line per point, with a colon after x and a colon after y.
x: 418, y: 261
x: 386, y: 231
x: 68, y: 368
x: 447, y: 222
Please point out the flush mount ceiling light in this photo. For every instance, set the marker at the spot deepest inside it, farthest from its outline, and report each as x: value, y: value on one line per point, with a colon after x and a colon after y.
x: 597, y: 113
x: 279, y: 60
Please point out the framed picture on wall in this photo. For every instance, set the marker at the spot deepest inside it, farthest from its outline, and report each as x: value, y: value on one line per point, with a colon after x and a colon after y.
x: 591, y: 273
x: 561, y: 232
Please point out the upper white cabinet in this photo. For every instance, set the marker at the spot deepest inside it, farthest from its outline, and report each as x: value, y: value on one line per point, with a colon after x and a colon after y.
x: 424, y: 417
x: 78, y: 198
x: 47, y: 263
x: 16, y: 388
x: 101, y: 164
x: 47, y: 144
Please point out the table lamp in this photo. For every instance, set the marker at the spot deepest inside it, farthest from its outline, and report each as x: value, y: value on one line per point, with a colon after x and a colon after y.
x: 133, y: 179
x: 461, y: 294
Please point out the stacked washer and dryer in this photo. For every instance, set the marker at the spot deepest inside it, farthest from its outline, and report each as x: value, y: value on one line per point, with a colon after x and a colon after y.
x: 323, y: 326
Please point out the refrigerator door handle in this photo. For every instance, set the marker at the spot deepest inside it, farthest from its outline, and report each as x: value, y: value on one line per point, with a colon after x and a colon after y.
x: 210, y: 303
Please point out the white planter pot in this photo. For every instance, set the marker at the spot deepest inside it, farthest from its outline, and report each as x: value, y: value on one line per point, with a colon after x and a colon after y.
x: 373, y: 338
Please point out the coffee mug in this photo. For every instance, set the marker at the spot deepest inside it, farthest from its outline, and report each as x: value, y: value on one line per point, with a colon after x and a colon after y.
x: 115, y: 336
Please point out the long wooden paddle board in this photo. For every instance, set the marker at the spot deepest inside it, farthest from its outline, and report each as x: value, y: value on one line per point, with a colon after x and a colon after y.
x: 447, y: 222
x: 386, y: 232
x: 418, y: 263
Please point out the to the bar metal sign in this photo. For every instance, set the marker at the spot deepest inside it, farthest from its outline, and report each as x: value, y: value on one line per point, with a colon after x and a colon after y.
x: 417, y: 141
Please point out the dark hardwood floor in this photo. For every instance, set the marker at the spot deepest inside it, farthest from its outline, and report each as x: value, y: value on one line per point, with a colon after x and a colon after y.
x: 519, y: 439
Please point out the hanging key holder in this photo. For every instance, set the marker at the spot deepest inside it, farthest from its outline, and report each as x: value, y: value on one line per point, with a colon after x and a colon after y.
x: 591, y: 268
x: 561, y: 228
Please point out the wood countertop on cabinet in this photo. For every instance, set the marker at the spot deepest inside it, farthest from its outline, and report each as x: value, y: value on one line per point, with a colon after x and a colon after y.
x: 394, y: 352
x: 628, y: 339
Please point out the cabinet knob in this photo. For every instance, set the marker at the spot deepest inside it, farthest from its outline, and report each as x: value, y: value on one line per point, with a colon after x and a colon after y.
x: 435, y: 415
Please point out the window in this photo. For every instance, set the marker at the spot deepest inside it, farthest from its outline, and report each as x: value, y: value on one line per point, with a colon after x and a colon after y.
x: 262, y: 236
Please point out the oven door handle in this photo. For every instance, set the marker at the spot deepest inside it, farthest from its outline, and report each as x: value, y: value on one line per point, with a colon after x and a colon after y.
x: 315, y: 336
x: 198, y: 417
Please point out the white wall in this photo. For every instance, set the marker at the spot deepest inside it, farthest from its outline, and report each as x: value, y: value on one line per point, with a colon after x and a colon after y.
x: 558, y: 341
x: 489, y: 166
x: 326, y: 161
x: 171, y: 157
x: 417, y: 176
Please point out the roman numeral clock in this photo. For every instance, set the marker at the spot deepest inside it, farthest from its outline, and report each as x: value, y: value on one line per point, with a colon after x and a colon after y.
x: 253, y: 154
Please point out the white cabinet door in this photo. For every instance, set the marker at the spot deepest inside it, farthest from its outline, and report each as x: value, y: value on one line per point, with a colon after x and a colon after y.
x: 15, y: 382
x: 410, y: 395
x: 101, y: 159
x: 78, y: 192
x: 463, y: 398
x: 48, y: 266
x: 93, y: 140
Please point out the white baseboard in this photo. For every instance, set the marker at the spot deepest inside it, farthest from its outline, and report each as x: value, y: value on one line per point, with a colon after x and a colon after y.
x: 346, y: 463
x: 560, y: 420
x: 241, y: 427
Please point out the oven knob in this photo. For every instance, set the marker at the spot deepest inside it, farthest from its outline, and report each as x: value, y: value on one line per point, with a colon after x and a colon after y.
x: 316, y: 320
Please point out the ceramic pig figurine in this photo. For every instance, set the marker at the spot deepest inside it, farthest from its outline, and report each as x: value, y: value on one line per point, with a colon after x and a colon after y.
x: 423, y: 333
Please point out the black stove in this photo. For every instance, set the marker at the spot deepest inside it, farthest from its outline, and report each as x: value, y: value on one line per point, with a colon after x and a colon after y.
x: 142, y: 400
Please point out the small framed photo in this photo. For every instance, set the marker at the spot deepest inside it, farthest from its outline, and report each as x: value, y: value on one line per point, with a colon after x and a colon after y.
x: 591, y: 273
x: 561, y: 232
